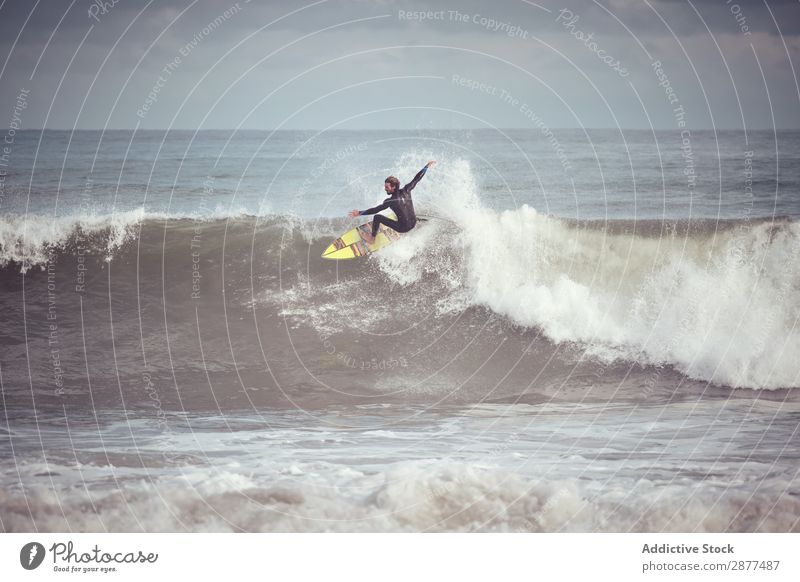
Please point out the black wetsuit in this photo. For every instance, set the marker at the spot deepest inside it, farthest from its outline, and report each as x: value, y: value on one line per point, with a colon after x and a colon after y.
x: 402, y: 206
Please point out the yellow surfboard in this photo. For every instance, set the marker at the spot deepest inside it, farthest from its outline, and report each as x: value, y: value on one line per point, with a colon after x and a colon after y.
x: 350, y: 245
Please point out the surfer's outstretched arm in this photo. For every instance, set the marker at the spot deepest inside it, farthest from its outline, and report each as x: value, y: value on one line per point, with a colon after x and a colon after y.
x: 382, y: 206
x: 410, y: 186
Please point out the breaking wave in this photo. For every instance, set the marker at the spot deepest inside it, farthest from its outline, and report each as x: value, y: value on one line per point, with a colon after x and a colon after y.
x: 717, y: 300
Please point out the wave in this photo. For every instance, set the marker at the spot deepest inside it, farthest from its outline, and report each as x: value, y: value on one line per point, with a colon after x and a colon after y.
x: 718, y: 301
x: 33, y: 240
x: 410, y: 496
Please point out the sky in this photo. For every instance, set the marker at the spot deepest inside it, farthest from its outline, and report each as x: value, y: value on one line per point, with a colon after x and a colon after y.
x: 356, y: 64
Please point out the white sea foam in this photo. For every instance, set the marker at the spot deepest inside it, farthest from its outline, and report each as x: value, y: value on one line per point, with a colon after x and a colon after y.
x: 410, y: 496
x: 722, y: 305
x: 29, y: 240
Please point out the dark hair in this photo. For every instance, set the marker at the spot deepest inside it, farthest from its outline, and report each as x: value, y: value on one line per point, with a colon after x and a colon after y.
x: 393, y: 181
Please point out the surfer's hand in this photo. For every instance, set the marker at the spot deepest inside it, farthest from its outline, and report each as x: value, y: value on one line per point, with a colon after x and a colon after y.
x: 431, y: 163
x: 354, y: 213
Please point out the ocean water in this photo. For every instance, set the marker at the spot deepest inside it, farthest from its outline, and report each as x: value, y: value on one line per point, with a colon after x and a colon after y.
x: 594, y: 331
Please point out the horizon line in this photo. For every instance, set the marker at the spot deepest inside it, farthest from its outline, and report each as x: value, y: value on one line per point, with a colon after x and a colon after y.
x: 772, y: 129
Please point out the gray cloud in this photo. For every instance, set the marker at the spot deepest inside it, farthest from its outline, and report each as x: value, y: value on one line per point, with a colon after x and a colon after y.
x: 222, y: 61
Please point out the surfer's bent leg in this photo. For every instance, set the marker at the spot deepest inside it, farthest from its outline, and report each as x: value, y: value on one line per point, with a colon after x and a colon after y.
x: 381, y: 219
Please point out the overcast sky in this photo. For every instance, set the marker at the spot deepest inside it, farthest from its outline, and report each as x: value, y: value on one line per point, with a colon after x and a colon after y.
x: 380, y: 64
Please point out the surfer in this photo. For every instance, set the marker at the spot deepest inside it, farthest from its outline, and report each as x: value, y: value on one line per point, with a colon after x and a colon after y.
x: 399, y: 201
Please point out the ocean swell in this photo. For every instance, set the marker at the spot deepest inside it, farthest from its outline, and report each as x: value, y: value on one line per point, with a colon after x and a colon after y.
x: 718, y: 301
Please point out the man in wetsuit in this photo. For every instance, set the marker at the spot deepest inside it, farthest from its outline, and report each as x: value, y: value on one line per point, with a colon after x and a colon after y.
x: 399, y: 201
